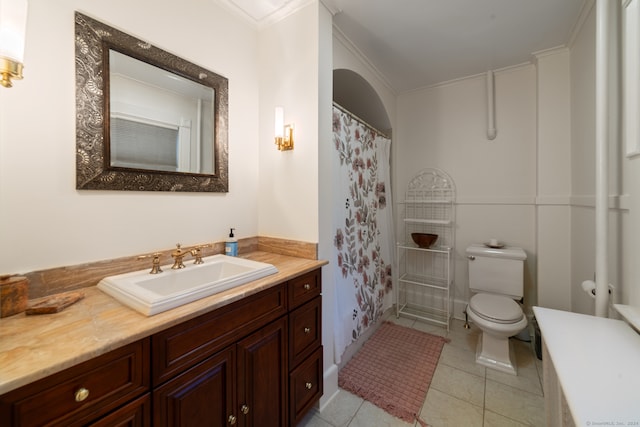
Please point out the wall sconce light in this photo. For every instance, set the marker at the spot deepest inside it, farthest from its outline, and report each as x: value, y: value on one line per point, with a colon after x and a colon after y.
x: 13, y: 26
x: 284, y: 133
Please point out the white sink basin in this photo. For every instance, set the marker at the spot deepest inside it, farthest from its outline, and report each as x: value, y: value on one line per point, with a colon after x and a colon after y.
x: 154, y: 293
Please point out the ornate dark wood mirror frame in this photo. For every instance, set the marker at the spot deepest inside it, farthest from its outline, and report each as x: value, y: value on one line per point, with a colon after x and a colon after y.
x: 93, y: 41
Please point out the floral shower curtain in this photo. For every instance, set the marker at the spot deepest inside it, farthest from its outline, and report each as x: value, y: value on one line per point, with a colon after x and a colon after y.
x: 363, y: 223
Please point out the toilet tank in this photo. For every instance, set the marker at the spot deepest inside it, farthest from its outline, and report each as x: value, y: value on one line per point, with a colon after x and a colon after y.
x: 496, y: 271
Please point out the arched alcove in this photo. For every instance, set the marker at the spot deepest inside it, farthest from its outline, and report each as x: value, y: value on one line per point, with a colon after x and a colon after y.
x: 353, y: 92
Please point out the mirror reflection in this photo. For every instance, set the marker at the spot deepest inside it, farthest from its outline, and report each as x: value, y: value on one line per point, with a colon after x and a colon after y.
x: 158, y: 120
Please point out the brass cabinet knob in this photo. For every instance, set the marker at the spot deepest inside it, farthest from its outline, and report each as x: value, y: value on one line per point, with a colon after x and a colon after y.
x: 232, y: 420
x: 307, y: 286
x: 244, y: 409
x: 81, y: 394
x: 307, y: 330
x: 308, y: 386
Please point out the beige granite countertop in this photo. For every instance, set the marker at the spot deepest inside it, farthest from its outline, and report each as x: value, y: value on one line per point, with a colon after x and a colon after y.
x: 33, y: 347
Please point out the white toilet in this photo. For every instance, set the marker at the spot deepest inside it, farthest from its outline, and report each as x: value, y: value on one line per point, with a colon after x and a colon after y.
x: 496, y: 277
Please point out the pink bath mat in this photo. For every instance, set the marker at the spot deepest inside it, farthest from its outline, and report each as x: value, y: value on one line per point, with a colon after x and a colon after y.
x: 393, y: 369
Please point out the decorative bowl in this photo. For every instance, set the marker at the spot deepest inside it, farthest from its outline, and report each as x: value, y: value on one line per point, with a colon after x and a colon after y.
x: 424, y: 240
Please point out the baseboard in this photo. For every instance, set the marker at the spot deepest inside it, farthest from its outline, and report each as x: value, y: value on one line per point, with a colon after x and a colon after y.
x: 459, y: 306
x: 353, y: 348
x: 330, y: 386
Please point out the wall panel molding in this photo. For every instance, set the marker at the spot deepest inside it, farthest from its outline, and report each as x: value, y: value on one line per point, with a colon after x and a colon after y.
x: 615, y: 202
x: 495, y: 200
x: 589, y: 201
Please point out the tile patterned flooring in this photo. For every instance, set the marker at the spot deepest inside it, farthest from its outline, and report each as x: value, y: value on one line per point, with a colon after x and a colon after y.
x: 462, y: 393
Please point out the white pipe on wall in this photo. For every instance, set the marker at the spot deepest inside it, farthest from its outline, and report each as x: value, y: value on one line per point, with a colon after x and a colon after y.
x: 602, y: 157
x: 491, y: 107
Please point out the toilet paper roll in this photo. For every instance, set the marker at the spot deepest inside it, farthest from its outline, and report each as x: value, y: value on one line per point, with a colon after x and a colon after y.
x: 589, y: 286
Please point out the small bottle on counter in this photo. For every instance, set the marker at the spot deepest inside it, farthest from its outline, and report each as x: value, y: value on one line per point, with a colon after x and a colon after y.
x: 231, y: 245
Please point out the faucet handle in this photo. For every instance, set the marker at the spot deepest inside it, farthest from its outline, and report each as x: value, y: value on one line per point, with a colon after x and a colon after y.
x: 197, y: 253
x: 155, y: 263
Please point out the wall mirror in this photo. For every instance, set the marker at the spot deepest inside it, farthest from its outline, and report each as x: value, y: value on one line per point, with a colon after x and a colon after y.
x: 146, y: 120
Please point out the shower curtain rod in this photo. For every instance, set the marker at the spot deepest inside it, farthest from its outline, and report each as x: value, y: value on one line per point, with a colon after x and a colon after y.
x: 344, y: 110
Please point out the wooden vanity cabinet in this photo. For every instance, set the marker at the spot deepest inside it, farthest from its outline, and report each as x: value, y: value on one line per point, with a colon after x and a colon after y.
x: 254, y: 362
x: 182, y: 346
x: 114, y: 385
x: 244, y: 385
x: 237, y: 366
x: 240, y: 358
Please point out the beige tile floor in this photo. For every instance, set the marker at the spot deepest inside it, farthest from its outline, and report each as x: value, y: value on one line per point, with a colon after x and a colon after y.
x: 462, y: 393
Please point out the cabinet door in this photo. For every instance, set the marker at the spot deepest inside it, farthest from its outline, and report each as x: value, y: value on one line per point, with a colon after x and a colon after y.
x: 262, y: 377
x: 201, y: 396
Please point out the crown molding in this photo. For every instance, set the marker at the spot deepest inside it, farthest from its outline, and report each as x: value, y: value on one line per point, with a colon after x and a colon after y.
x: 582, y: 18
x: 287, y: 9
x: 351, y: 47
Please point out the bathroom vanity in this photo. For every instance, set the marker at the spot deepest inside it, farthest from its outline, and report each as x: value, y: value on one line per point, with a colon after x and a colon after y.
x: 590, y: 369
x: 250, y: 356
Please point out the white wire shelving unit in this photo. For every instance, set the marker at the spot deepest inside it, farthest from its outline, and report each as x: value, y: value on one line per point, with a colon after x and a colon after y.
x: 425, y: 276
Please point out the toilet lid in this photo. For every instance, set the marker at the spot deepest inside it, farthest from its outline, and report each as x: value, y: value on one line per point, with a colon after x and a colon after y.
x: 496, y: 308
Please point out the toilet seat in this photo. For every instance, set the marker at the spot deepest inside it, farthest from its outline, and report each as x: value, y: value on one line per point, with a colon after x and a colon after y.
x: 496, y: 308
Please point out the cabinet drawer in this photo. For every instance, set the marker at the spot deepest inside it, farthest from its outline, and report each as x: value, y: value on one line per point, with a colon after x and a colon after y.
x: 134, y: 414
x: 304, y: 288
x: 305, y: 330
x: 188, y: 343
x: 305, y: 385
x: 111, y: 380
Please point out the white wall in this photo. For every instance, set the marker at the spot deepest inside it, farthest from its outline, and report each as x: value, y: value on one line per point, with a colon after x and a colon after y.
x: 325, y: 197
x: 295, y: 73
x: 288, y: 188
x: 583, y: 163
x: 553, y: 222
x: 444, y: 126
x: 44, y: 221
x: 629, y: 291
